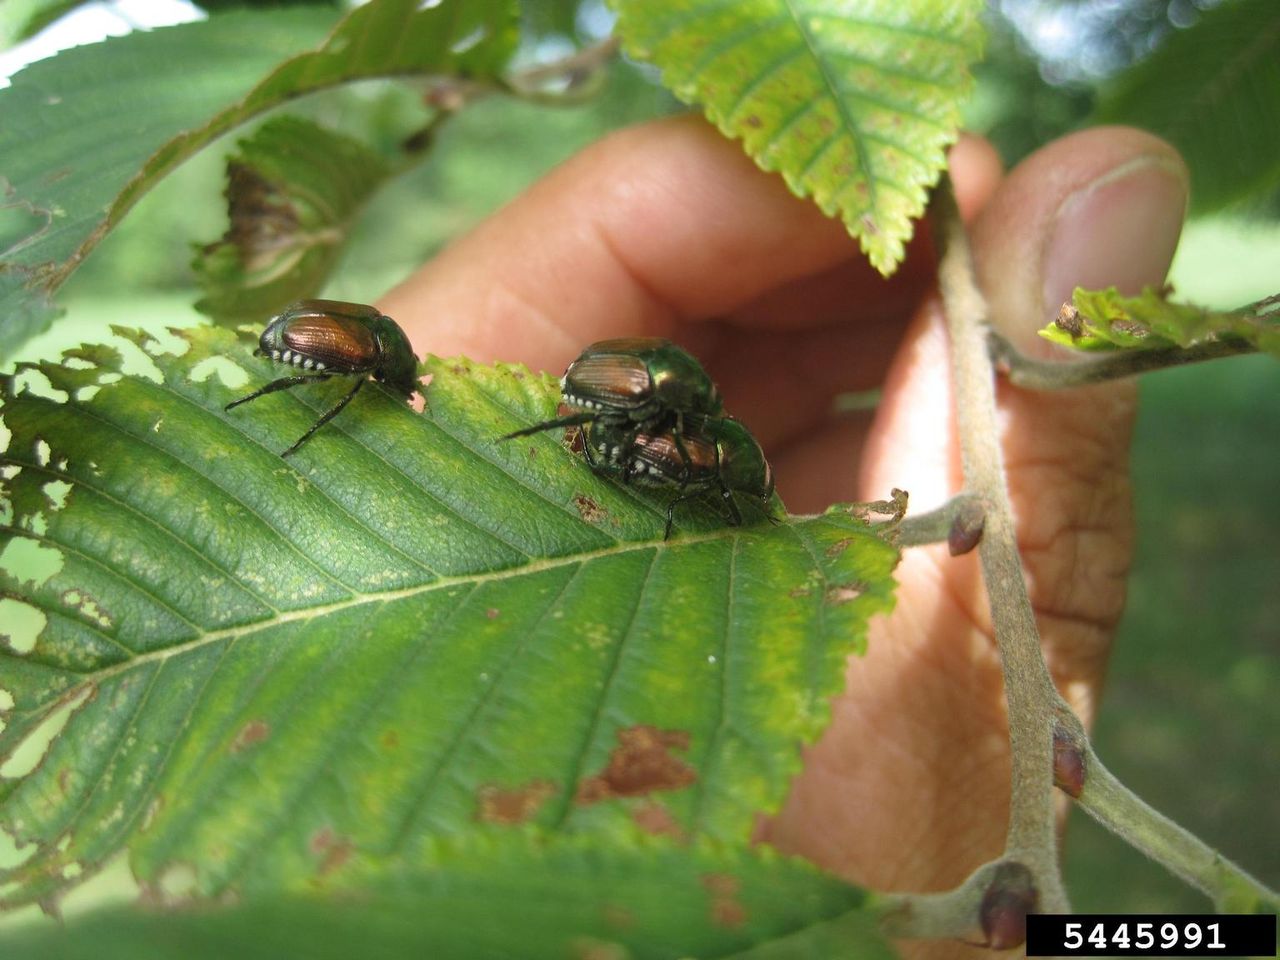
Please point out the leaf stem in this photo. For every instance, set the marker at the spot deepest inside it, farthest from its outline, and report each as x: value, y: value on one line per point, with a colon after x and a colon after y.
x: 1029, y: 691
x: 1023, y: 371
x: 922, y: 529
x: 1180, y: 852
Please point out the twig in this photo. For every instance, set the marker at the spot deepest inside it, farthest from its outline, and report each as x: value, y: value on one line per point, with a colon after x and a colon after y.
x: 1023, y: 371
x: 1029, y: 691
x: 1180, y: 852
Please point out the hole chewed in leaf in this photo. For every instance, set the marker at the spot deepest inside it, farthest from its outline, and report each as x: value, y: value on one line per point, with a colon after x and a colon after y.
x: 31, y: 750
x: 253, y: 732
x: 726, y: 909
x: 230, y: 373
x: 642, y: 763
x: 512, y: 805
x: 88, y: 606
x: 843, y: 593
x: 20, y: 625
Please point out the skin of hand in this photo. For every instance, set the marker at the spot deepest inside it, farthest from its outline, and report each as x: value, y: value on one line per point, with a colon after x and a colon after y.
x: 668, y: 229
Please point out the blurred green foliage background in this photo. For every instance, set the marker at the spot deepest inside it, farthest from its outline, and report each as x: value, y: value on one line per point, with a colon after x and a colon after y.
x: 1190, y: 718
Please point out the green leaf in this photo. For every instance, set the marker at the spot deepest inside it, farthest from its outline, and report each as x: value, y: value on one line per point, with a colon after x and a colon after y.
x: 292, y: 191
x: 407, y: 631
x: 1213, y: 91
x: 71, y: 154
x: 854, y: 104
x: 1103, y: 320
x: 513, y: 897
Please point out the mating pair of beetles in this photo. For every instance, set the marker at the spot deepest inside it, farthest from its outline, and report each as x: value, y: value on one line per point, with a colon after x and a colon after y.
x: 647, y: 411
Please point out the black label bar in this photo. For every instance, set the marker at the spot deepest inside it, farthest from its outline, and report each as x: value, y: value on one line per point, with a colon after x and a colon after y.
x: 1151, y: 935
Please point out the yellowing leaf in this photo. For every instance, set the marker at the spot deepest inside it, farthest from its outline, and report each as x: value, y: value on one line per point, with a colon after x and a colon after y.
x: 854, y: 102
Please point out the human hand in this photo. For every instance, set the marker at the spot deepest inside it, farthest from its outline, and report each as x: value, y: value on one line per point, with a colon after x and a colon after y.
x: 668, y: 229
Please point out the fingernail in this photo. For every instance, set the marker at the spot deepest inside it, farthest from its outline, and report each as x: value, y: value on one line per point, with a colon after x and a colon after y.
x: 1120, y: 230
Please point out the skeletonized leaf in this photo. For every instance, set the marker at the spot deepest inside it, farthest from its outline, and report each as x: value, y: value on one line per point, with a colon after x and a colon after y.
x: 293, y: 189
x: 410, y: 630
x: 1101, y: 320
x: 89, y: 131
x: 854, y: 102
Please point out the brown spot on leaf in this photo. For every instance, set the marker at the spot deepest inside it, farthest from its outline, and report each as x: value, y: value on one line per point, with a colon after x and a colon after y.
x: 641, y: 763
x: 492, y: 613
x: 588, y: 509
x: 64, y: 780
x: 654, y: 818
x: 726, y: 909
x: 1131, y: 328
x: 753, y: 121
x: 843, y: 592
x: 512, y: 805
x: 839, y: 547
x: 60, y: 174
x: 255, y: 731
x: 618, y: 916
x: 333, y: 849
x: 799, y: 591
x: 391, y: 739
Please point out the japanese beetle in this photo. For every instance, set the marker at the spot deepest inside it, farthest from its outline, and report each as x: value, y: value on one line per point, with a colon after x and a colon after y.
x: 332, y: 338
x: 636, y: 384
x: 718, y: 452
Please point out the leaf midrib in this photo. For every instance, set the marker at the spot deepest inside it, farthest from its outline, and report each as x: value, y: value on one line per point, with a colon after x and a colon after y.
x: 833, y: 90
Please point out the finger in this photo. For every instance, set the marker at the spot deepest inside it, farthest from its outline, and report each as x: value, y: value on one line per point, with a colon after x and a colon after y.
x: 1101, y: 207
x: 655, y: 225
x: 650, y: 226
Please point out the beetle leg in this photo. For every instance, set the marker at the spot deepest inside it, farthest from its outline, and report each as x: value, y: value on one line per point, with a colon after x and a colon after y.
x: 735, y: 516
x: 326, y: 418
x: 677, y: 434
x: 671, y: 509
x: 568, y: 420
x: 284, y: 383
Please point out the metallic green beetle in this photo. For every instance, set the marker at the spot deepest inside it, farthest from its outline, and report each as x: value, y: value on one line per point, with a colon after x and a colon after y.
x: 635, y: 384
x: 333, y: 338
x: 719, y: 453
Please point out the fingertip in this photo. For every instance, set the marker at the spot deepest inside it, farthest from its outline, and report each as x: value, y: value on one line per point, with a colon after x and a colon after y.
x: 975, y: 168
x: 1103, y: 207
